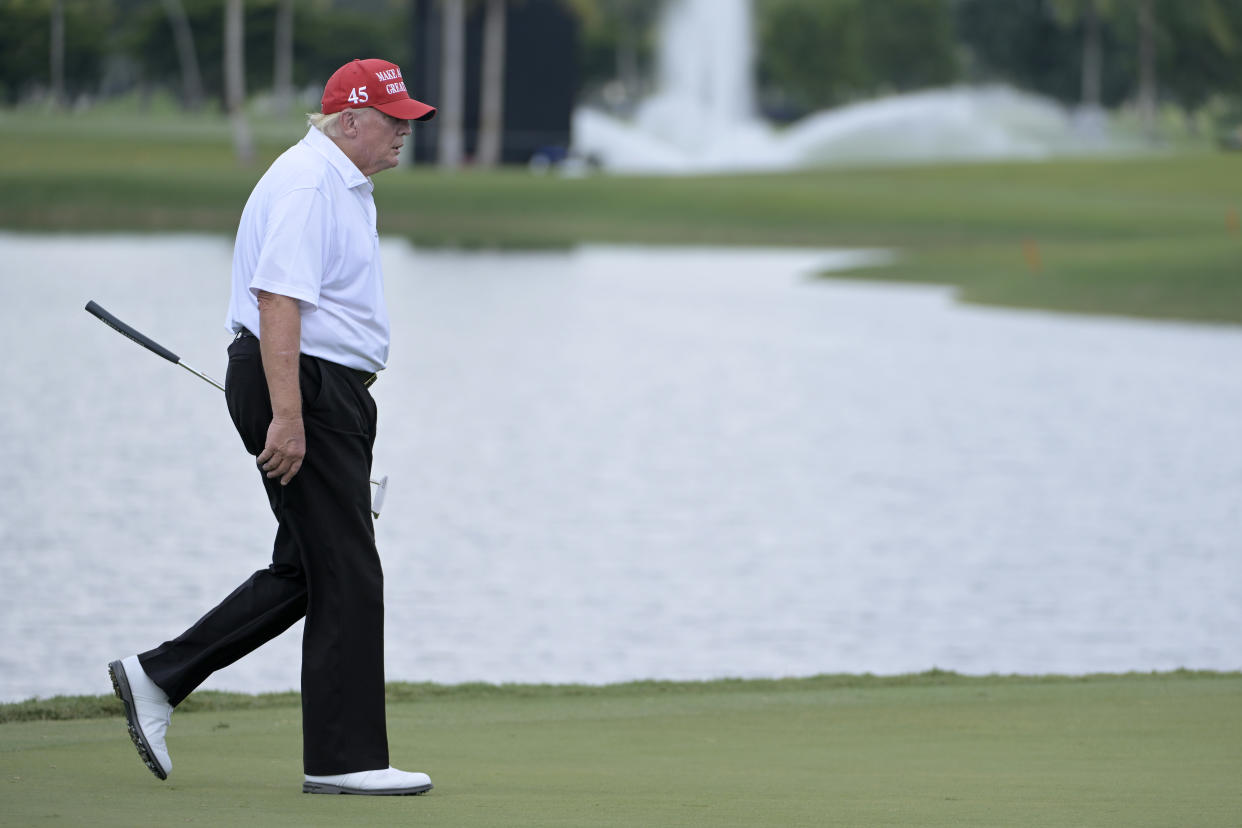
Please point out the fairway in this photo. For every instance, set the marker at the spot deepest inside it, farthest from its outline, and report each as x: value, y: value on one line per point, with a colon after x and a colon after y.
x: 1153, y: 236
x: 938, y: 749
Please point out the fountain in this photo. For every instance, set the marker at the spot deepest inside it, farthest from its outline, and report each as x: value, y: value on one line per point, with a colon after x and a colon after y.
x: 703, y: 117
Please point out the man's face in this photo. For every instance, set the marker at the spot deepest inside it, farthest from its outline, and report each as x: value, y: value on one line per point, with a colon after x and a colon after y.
x: 378, y: 141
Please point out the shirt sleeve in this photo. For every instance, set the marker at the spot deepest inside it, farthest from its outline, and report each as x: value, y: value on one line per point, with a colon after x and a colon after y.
x: 295, y: 252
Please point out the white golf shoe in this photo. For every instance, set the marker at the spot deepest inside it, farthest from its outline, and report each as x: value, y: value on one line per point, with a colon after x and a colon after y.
x: 382, y: 782
x: 147, y: 711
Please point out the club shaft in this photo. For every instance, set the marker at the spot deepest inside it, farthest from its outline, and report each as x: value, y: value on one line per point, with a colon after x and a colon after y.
x: 199, y: 374
x: 154, y: 347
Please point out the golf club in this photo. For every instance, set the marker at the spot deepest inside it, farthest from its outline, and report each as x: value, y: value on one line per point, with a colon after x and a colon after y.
x: 93, y: 308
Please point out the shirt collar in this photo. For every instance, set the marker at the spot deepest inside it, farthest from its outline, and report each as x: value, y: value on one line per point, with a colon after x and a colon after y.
x: 346, y: 169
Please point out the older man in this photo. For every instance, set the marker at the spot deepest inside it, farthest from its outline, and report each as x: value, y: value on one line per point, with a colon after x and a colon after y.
x: 310, y: 333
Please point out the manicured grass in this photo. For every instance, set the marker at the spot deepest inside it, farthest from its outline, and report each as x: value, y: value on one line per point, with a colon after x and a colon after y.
x: 938, y: 749
x: 1154, y: 277
x: 1157, y: 236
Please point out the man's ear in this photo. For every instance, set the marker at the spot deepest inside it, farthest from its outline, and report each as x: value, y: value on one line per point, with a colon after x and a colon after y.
x: 349, y: 123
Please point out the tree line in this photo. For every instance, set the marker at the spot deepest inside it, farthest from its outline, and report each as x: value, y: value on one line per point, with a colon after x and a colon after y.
x: 812, y: 54
x: 115, y: 47
x: 1096, y: 53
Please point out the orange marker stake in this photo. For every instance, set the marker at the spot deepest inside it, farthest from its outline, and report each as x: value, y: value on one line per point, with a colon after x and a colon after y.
x: 1030, y: 252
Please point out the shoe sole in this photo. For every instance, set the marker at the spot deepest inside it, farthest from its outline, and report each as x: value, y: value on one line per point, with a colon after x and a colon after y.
x: 120, y: 685
x: 321, y: 788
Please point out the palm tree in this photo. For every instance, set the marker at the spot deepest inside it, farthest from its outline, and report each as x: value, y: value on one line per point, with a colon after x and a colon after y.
x: 1090, y: 13
x: 235, y: 79
x: 453, y: 80
x: 630, y: 20
x: 1092, y: 58
x: 183, y: 38
x: 282, y: 76
x: 56, y: 49
x: 491, y: 107
x: 1147, y: 65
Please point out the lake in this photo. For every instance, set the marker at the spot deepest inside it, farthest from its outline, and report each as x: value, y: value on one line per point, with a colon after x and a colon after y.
x: 611, y: 463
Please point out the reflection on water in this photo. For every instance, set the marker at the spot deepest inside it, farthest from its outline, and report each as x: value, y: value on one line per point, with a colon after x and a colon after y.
x: 615, y: 463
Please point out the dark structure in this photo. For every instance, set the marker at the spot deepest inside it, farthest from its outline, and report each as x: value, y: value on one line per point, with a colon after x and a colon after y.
x: 541, y: 78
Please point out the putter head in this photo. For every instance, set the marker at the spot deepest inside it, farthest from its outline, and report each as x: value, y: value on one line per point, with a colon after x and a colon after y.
x: 377, y: 496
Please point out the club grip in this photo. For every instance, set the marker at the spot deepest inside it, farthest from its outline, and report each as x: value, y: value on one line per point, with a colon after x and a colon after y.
x: 120, y: 327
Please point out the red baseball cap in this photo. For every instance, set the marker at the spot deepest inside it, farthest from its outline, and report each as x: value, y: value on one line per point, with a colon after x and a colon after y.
x: 373, y: 82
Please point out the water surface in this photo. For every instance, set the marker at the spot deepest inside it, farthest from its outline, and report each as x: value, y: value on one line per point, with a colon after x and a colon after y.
x: 619, y: 463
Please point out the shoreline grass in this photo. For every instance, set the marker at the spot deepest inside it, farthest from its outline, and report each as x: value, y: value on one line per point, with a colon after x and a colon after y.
x: 75, y: 707
x: 1156, y: 236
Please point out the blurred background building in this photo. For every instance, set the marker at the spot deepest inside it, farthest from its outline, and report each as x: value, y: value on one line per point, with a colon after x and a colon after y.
x: 517, y: 68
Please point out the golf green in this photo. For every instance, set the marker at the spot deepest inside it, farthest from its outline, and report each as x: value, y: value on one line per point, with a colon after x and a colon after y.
x: 937, y: 749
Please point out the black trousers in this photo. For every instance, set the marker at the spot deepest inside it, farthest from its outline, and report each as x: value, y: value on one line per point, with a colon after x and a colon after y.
x: 324, y: 566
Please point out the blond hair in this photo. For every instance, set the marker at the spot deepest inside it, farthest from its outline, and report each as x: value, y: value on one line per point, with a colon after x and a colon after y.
x: 329, y: 125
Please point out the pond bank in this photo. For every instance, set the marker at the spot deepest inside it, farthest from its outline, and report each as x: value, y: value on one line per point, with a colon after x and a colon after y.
x: 1156, y: 237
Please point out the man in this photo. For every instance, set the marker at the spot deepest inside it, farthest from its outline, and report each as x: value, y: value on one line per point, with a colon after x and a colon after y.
x: 310, y: 332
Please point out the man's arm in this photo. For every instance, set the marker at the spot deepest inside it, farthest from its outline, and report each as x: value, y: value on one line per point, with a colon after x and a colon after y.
x: 280, y: 344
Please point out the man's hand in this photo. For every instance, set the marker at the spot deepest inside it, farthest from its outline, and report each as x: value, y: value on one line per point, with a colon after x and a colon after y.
x: 285, y: 447
x: 280, y: 340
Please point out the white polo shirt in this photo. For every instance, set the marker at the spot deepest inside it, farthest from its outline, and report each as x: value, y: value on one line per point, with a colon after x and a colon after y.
x: 308, y: 232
